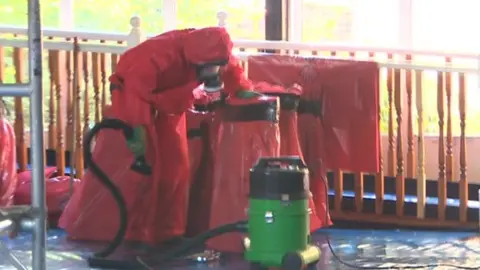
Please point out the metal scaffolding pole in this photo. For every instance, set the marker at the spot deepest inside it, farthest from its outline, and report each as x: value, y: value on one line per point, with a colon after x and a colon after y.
x: 36, y: 115
x: 34, y: 90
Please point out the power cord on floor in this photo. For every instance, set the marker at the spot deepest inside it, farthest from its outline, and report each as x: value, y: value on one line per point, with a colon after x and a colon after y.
x: 405, y: 266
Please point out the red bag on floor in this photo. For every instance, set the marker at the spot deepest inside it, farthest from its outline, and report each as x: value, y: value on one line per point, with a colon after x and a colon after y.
x: 249, y: 130
x: 27, y: 175
x: 289, y: 144
x: 57, y: 192
x: 8, y: 163
x: 198, y: 129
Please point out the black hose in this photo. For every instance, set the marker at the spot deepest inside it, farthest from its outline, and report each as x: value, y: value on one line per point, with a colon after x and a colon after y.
x: 170, y: 254
x: 109, y: 123
x: 188, y: 245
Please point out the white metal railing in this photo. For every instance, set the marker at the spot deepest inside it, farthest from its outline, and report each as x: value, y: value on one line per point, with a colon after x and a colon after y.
x: 470, y: 63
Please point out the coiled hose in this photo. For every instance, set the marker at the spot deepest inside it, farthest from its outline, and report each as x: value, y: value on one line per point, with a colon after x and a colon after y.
x: 99, y: 259
x: 116, y: 124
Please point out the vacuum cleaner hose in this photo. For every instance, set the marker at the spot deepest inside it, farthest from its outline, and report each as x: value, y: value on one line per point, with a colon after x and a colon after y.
x: 109, y: 123
x: 175, y: 252
x: 99, y: 259
x: 188, y: 245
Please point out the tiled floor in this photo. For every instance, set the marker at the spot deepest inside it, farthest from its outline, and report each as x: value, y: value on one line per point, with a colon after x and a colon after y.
x: 369, y: 248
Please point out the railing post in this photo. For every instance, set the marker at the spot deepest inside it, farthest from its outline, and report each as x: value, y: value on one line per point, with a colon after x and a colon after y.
x: 222, y: 17
x: 135, y: 36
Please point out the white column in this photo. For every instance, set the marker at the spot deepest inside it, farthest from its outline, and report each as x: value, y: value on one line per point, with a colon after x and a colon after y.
x: 380, y: 22
x: 360, y: 21
x: 405, y: 23
x: 169, y: 13
x: 67, y: 14
x: 295, y: 10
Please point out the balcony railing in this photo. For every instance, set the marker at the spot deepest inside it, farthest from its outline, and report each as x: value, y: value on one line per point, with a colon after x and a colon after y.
x: 76, y: 92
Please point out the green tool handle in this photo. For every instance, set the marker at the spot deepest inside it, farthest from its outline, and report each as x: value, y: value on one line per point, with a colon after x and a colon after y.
x: 136, y: 143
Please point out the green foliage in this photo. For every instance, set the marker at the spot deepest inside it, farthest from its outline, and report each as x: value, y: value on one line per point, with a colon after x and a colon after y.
x: 14, y: 12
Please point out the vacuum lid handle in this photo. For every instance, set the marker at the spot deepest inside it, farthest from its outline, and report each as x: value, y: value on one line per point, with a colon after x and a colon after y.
x: 265, y: 162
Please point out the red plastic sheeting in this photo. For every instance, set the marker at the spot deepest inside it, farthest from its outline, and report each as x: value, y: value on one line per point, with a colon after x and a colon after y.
x: 8, y: 163
x: 338, y: 114
x: 346, y: 93
x: 350, y: 114
x: 198, y: 125
x: 57, y: 189
x: 91, y: 213
x: 310, y: 135
x: 244, y: 136
x: 289, y: 143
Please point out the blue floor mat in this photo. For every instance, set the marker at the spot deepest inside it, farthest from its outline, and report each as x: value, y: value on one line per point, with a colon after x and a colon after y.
x: 366, y: 247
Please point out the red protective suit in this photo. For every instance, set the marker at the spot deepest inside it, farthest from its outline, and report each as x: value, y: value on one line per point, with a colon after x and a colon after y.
x: 151, y: 87
x: 8, y: 163
x: 249, y: 130
x: 289, y: 144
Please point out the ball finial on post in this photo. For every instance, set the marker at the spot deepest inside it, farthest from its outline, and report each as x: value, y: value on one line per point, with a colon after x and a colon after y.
x: 135, y: 22
x: 136, y: 36
x: 222, y: 18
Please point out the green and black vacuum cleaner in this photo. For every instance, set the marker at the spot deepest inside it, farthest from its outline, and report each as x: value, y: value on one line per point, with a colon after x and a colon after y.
x: 278, y: 216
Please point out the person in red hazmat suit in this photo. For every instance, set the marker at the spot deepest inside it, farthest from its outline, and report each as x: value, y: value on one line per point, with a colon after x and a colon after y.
x: 152, y: 88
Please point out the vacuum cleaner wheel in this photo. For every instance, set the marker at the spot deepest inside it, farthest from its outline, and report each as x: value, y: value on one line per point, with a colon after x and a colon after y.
x: 292, y: 261
x: 257, y: 266
x: 312, y: 266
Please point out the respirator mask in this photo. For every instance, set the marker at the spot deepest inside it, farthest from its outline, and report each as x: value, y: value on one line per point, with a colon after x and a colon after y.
x: 209, y: 75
